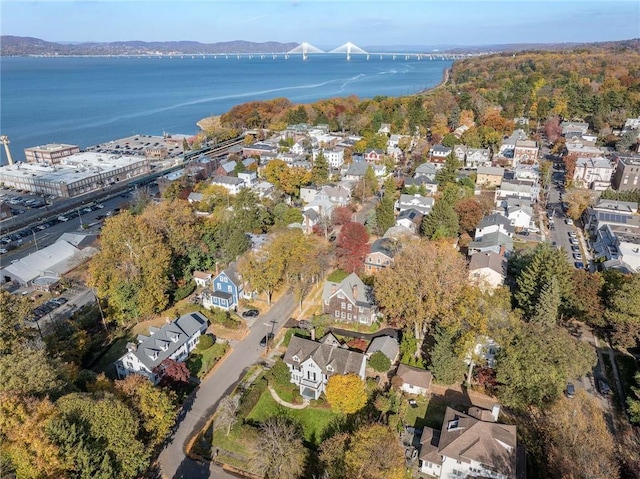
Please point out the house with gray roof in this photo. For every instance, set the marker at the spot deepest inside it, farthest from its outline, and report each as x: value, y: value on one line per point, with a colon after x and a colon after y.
x: 356, y: 171
x: 380, y: 255
x: 414, y: 380
x: 349, y: 300
x: 492, y: 223
x: 422, y: 204
x: 426, y: 169
x: 429, y: 185
x: 312, y: 363
x: 410, y: 219
x: 174, y: 340
x: 386, y: 345
x: 232, y: 184
x: 471, y: 445
x: 488, y: 269
x: 497, y: 241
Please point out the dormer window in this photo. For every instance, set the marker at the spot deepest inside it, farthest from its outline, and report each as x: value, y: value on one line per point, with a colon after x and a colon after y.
x: 296, y: 359
x: 330, y: 368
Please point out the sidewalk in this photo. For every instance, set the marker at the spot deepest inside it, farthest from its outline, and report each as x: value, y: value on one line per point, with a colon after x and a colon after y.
x: 277, y: 399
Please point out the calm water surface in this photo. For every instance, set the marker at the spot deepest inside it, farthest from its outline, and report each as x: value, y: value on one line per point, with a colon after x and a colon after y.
x: 87, y: 101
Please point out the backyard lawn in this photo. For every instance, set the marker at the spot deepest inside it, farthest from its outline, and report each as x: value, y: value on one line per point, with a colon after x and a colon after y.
x: 429, y: 413
x: 314, y: 421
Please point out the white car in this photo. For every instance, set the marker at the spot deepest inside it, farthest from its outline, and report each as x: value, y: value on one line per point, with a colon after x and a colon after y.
x: 3, y: 250
x: 569, y: 221
x: 63, y: 218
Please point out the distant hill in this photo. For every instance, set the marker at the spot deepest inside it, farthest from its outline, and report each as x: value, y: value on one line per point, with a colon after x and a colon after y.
x: 22, y: 46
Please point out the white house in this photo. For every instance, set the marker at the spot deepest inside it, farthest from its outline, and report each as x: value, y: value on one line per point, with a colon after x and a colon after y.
x: 414, y: 380
x: 202, y: 278
x: 488, y: 269
x: 476, y: 157
x: 593, y: 173
x: 312, y: 363
x: 519, y: 216
x: 338, y: 195
x: 334, y: 157
x: 231, y: 184
x: 470, y: 445
x: 521, y: 189
x: 493, y: 223
x: 422, y: 204
x: 173, y: 341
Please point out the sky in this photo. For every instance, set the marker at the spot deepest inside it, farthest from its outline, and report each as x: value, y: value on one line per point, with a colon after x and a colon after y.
x: 325, y: 23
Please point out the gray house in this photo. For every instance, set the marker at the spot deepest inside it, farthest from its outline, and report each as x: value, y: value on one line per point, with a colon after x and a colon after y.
x: 174, y: 340
x: 312, y: 363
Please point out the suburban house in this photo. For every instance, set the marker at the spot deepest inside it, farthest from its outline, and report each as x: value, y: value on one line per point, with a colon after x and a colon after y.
x: 429, y: 185
x: 338, y: 195
x: 493, y: 223
x: 195, y: 197
x: 422, y: 204
x: 526, y: 151
x: 414, y: 380
x: 470, y: 445
x: 232, y: 184
x: 380, y: 255
x: 488, y: 269
x: 477, y: 157
x: 226, y: 291
x: 349, y: 300
x: 593, y: 173
x: 410, y: 219
x: 202, y: 278
x: 439, y: 153
x: 226, y: 168
x: 521, y: 189
x: 508, y: 146
x: 373, y: 155
x: 460, y: 152
x: 496, y: 241
x: 174, y: 340
x: 386, y: 345
x: 569, y: 127
x: 426, y: 169
x: 583, y: 151
x: 489, y: 175
x: 250, y: 178
x: 520, y: 216
x: 311, y: 364
x: 334, y: 156
x: 356, y: 171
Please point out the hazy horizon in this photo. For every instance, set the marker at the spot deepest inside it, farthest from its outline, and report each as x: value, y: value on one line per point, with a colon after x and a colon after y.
x: 327, y: 23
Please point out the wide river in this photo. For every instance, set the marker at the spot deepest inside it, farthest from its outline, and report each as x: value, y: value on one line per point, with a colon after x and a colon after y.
x: 91, y: 100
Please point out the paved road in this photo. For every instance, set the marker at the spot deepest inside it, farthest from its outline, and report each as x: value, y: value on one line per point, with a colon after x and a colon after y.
x: 173, y: 462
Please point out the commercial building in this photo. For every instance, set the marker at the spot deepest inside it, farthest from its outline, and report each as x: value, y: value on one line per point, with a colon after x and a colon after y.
x: 593, y: 173
x: 73, y: 175
x: 50, y: 153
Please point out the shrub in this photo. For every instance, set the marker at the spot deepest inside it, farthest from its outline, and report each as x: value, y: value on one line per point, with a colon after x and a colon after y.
x: 280, y: 373
x: 184, y: 291
x: 251, y: 397
x: 223, y: 318
x: 206, y: 341
x: 337, y: 276
x: 379, y: 362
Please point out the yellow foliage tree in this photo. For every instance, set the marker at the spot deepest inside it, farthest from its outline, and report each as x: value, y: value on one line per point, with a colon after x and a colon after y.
x: 346, y: 393
x: 374, y: 453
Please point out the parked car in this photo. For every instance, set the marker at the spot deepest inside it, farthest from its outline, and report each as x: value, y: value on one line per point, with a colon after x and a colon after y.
x: 573, y: 241
x: 575, y: 248
x: 570, y: 391
x: 603, y: 387
x: 577, y: 256
x: 573, y: 234
x: 266, y: 339
x: 250, y: 313
x: 579, y: 264
x: 3, y: 250
x: 569, y: 221
x: 63, y: 218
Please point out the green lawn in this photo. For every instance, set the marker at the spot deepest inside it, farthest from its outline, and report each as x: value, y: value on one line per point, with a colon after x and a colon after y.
x: 429, y: 413
x: 313, y: 420
x: 201, y: 362
x: 115, y: 350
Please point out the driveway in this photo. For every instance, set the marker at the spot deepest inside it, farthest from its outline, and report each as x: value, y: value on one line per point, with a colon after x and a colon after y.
x: 174, y: 464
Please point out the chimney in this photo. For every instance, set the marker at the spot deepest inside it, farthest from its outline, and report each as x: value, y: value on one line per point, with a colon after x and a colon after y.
x: 495, y: 412
x: 313, y: 334
x: 502, y: 250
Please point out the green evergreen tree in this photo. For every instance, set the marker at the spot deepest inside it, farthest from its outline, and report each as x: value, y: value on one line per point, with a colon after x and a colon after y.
x: 385, y: 217
x: 446, y: 367
x: 546, y: 310
x: 371, y: 222
x: 545, y: 263
x: 320, y: 170
x: 370, y: 181
x: 449, y: 171
x: 441, y: 222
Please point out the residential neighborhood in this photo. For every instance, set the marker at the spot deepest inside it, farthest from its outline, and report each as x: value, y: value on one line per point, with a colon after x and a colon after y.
x: 443, y: 295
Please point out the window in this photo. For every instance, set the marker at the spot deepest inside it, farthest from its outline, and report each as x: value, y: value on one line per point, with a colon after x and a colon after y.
x: 229, y: 289
x: 337, y: 314
x: 343, y: 315
x: 349, y: 307
x: 343, y: 305
x: 349, y: 316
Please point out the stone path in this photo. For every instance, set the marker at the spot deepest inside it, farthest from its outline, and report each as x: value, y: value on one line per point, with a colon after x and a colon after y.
x: 277, y: 399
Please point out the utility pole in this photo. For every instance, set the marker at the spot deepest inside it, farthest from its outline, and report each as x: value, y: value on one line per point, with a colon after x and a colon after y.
x: 35, y: 240
x: 80, y: 216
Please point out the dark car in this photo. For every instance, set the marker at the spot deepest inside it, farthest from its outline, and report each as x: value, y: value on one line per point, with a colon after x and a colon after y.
x: 571, y: 390
x: 579, y: 264
x: 250, y: 313
x: 59, y: 301
x: 603, y: 387
x: 266, y: 339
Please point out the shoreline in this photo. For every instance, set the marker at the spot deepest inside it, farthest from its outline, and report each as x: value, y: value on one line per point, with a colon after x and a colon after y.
x: 446, y: 75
